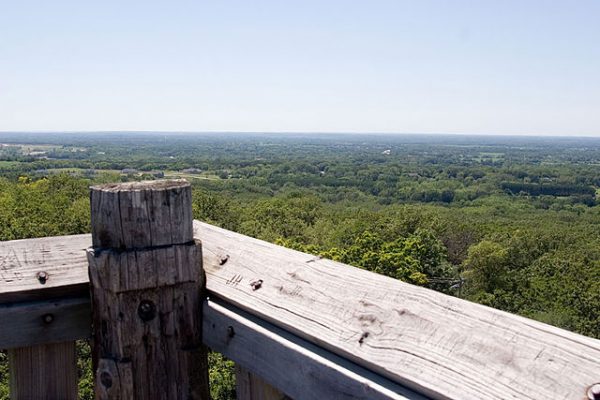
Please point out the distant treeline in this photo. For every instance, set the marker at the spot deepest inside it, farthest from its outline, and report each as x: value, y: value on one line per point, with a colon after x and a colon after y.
x: 547, y: 189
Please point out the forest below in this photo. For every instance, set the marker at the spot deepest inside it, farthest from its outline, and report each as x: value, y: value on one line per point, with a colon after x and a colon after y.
x: 508, y: 222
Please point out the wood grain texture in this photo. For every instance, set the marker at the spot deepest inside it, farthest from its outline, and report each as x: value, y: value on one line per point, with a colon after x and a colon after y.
x: 441, y: 346
x: 140, y: 214
x: 146, y: 288
x: 43, y: 372
x: 249, y: 386
x: 62, y: 258
x: 40, y: 322
x: 294, y: 366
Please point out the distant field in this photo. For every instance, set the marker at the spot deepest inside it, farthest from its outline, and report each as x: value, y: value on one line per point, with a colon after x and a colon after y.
x: 176, y: 174
x: 9, y: 164
x: 82, y: 171
x: 494, y: 157
x: 27, y: 148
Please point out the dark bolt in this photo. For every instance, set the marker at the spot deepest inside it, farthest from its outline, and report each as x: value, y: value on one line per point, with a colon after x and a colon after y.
x: 593, y: 393
x: 363, y: 337
x: 223, y: 259
x: 48, y: 318
x: 230, y: 331
x: 42, y: 277
x: 256, y: 284
x: 147, y: 310
x: 106, y: 379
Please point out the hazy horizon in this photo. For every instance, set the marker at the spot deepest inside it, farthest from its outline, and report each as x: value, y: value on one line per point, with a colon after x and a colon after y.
x: 308, y: 134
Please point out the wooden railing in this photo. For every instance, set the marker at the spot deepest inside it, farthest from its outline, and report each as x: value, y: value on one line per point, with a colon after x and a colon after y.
x: 296, y: 325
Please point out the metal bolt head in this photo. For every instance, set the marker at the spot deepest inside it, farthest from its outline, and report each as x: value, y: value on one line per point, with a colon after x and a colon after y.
x: 593, y: 392
x: 42, y: 277
x: 146, y: 310
x: 256, y: 284
x: 48, y: 318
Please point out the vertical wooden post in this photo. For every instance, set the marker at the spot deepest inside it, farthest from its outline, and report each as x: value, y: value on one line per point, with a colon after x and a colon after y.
x: 147, y: 284
x: 249, y: 386
x: 47, y: 371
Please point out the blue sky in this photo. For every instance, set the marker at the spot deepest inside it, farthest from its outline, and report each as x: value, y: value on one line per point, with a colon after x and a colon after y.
x: 497, y: 67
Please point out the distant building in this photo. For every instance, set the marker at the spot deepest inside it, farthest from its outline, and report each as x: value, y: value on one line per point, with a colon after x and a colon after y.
x: 192, y: 171
x: 128, y: 171
x: 158, y: 174
x: 386, y: 152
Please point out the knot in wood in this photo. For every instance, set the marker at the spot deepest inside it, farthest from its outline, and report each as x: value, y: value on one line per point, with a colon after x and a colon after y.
x: 106, y: 379
x: 146, y: 310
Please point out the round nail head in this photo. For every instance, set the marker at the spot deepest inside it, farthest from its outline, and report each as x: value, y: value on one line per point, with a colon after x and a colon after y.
x: 593, y: 393
x: 42, y: 277
x: 146, y: 310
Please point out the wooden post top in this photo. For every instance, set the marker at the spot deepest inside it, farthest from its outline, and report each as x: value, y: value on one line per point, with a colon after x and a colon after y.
x: 137, y: 215
x: 143, y: 185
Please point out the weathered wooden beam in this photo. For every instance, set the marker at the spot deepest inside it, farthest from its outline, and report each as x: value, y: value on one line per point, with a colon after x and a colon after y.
x: 146, y: 283
x: 43, y: 268
x: 438, y: 345
x: 43, y: 322
x: 44, y: 372
x: 44, y: 306
x: 296, y: 367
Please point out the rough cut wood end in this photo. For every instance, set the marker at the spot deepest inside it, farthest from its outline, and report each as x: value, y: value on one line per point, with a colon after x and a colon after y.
x: 143, y: 185
x: 136, y: 215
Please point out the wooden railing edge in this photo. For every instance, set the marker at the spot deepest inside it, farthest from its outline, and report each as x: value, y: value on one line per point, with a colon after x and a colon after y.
x: 298, y: 368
